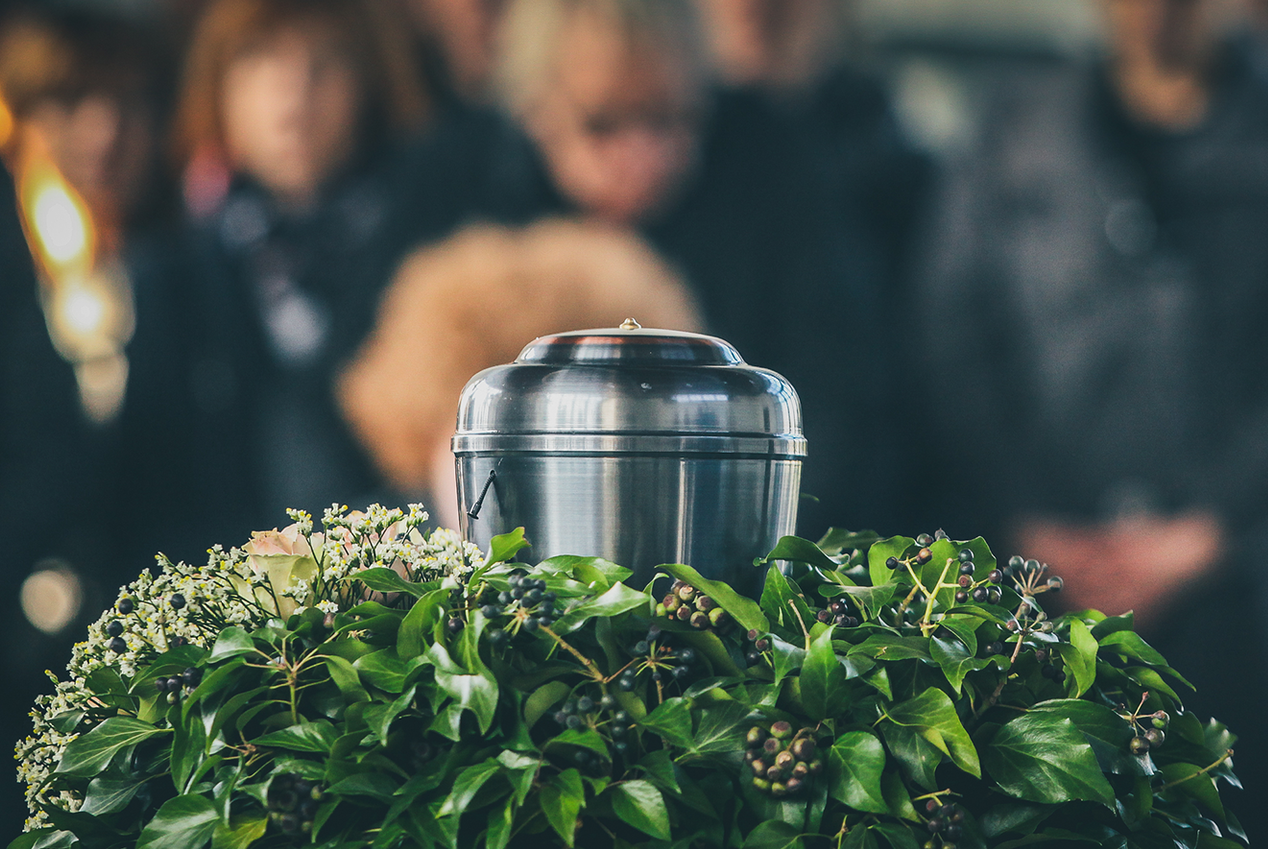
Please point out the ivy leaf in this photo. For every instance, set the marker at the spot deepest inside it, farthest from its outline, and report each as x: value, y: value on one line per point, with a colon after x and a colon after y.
x: 412, y: 638
x: 915, y: 755
x: 886, y: 646
x: 617, y: 599
x: 743, y: 610
x: 1131, y: 645
x: 640, y: 804
x: 899, y: 836
x: 344, y: 674
x: 856, y: 762
x: 466, y: 785
x: 562, y: 799
x: 1040, y: 757
x: 788, y: 658
x: 231, y: 642
x: 933, y: 716
x: 897, y: 797
x: 838, y: 540
x: 720, y: 730
x: 823, y: 686
x: 476, y: 693
x: 109, y: 795
x: 543, y: 699
x: 505, y: 546
x: 241, y: 835
x: 672, y: 721
x: 383, y: 669
x: 317, y: 737
x: 774, y: 834
x: 186, y: 822
x: 882, y: 551
x: 868, y: 599
x: 1108, y: 734
x: 1189, y: 780
x: 594, y: 572
x: 797, y: 550
x: 385, y: 580
x: 88, y: 754
x: 1080, y: 656
x: 780, y: 595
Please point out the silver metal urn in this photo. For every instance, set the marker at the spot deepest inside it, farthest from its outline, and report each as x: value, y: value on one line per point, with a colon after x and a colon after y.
x: 637, y: 445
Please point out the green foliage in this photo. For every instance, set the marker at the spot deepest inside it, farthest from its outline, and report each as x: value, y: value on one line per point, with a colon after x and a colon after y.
x: 449, y: 713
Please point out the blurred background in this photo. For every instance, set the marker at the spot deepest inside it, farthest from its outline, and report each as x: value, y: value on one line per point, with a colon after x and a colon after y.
x: 1014, y: 256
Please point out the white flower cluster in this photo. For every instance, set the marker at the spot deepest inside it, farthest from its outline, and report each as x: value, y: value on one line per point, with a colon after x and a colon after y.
x: 274, y: 575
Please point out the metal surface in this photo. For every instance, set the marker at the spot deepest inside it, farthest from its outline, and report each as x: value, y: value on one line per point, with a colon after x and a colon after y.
x: 640, y: 446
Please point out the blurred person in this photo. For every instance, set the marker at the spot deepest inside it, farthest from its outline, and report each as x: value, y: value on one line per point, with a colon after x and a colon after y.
x: 83, y: 86
x: 614, y: 118
x: 457, y: 46
x: 474, y: 301
x: 1091, y: 329
x: 290, y: 116
x: 789, y: 60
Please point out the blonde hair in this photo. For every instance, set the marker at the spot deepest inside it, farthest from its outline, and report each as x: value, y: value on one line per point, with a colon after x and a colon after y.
x: 474, y: 301
x: 532, y: 31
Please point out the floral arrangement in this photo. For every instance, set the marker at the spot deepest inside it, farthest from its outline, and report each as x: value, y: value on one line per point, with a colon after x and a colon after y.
x: 369, y: 685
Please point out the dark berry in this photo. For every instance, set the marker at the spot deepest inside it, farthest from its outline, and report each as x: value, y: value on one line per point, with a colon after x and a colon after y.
x: 892, y: 562
x: 1160, y: 719
x: 995, y: 577
x: 561, y: 717
x: 804, y: 749
x: 994, y: 594
x: 177, y: 601
x: 772, y: 746
x: 923, y: 556
x: 965, y: 581
x: 753, y: 658
x: 1032, y: 566
x: 966, y: 555
x: 518, y: 592
x: 932, y: 806
x: 545, y: 621
x: 762, y: 644
x: 622, y: 717
x: 498, y: 637
x: 1041, y: 655
x: 699, y: 620
x: 1055, y: 584
x: 1139, y: 745
x: 531, y: 625
x: 940, y: 534
x: 491, y: 611
x: 585, y: 704
x: 980, y: 595
x: 756, y: 736
x: 160, y: 684
x: 823, y: 615
x: 967, y: 569
x: 607, y: 702
x: 115, y: 628
x: 961, y: 597
x: 1156, y: 737
x: 454, y: 625
x: 573, y: 722
x: 504, y: 597
x: 118, y: 646
x: 995, y: 648
x: 126, y: 605
x: 191, y: 676
x: 924, y: 540
x: 533, y: 596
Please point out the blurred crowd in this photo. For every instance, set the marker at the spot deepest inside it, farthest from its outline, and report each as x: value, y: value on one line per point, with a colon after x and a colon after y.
x: 250, y: 251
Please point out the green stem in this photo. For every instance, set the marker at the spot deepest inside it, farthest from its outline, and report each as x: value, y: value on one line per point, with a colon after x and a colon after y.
x: 1228, y: 753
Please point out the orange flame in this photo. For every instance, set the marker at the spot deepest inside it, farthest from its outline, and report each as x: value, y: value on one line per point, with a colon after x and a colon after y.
x: 6, y: 124
x: 59, y: 226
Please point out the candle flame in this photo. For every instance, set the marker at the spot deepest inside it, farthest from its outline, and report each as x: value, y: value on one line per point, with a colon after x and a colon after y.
x: 60, y: 226
x: 6, y: 124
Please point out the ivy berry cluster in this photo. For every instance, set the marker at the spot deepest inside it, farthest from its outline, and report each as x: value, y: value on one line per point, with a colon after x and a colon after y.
x: 782, y: 762
x: 292, y: 803
x: 527, y: 602
x: 172, y: 687
x: 656, y: 653
x: 945, y: 824
x: 686, y: 604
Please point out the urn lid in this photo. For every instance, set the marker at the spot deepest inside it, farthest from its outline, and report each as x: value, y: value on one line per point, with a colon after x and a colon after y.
x: 630, y: 389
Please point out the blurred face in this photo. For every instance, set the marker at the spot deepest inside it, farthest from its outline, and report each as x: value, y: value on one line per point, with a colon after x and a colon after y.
x: 1173, y: 35
x: 618, y: 128
x: 102, y: 143
x: 291, y: 108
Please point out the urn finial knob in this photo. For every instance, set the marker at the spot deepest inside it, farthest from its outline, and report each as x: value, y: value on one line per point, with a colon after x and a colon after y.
x: 630, y: 324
